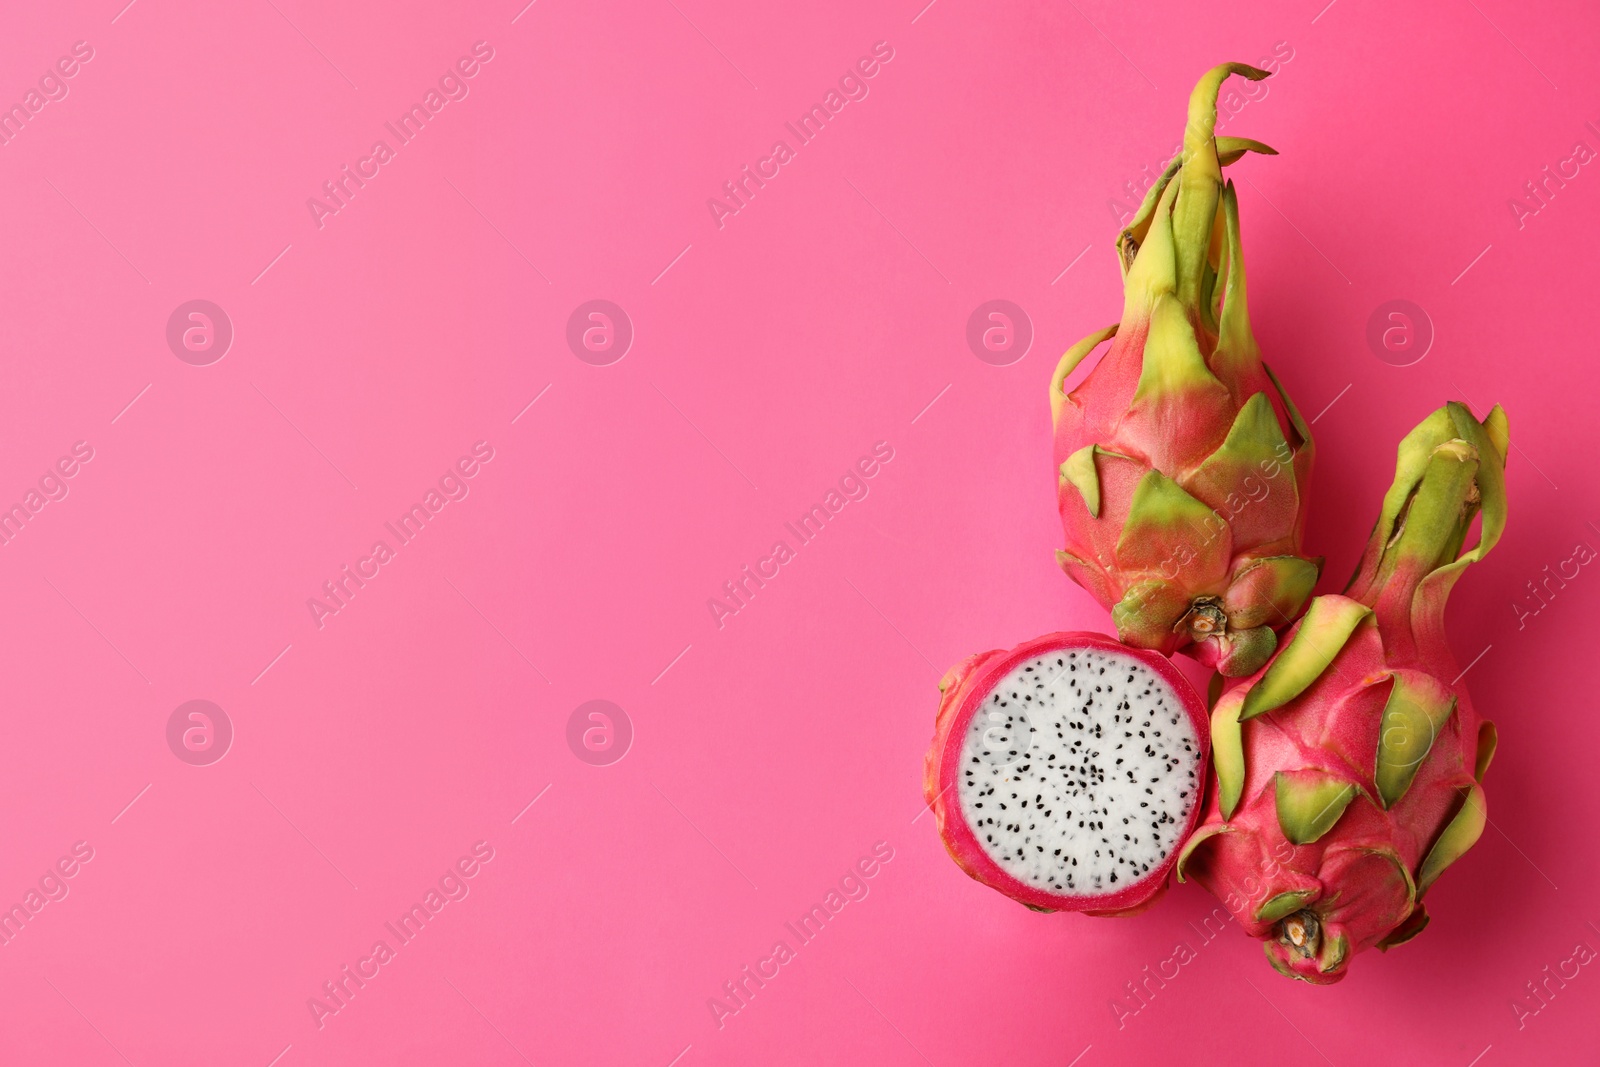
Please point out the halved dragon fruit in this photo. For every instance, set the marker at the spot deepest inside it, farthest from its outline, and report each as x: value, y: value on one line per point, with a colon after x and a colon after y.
x: 1067, y: 772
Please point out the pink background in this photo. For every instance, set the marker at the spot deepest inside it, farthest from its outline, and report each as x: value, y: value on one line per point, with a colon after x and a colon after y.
x: 772, y: 753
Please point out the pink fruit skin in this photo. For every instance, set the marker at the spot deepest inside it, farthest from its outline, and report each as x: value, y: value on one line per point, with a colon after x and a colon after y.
x: 964, y: 687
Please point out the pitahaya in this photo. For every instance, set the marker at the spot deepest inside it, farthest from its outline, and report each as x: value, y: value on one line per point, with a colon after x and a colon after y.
x: 1067, y: 772
x: 1183, y: 465
x: 1348, y: 770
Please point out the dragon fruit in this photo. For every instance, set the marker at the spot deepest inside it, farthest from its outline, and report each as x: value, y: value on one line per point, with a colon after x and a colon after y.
x: 1349, y: 769
x: 1183, y: 464
x: 1067, y: 772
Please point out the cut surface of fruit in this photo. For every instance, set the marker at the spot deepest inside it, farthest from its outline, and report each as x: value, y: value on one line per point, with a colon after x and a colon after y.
x: 1066, y: 772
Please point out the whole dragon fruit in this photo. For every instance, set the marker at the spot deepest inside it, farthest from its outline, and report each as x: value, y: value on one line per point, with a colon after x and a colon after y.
x: 1348, y: 770
x: 1183, y: 463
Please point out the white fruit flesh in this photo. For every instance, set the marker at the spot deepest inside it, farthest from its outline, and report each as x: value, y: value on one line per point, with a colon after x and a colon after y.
x: 1079, y: 771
